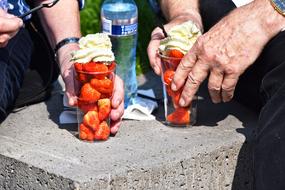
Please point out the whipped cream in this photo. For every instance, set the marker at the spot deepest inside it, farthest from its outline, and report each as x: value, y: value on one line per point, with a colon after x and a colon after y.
x: 94, y: 47
x: 180, y: 37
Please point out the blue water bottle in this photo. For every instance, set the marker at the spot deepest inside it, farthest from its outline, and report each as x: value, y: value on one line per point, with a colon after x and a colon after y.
x: 119, y: 19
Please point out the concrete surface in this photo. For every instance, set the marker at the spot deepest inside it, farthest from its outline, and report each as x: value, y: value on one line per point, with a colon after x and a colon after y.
x: 38, y: 153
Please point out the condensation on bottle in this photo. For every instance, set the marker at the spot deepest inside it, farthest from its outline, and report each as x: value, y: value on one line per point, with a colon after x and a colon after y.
x: 119, y: 19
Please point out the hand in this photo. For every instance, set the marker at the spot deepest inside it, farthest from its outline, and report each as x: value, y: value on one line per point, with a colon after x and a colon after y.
x: 158, y: 35
x: 225, y: 52
x: 9, y: 26
x: 67, y: 73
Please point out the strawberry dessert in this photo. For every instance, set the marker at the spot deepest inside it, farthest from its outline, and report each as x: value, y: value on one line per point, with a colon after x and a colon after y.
x: 179, y: 41
x: 94, y: 64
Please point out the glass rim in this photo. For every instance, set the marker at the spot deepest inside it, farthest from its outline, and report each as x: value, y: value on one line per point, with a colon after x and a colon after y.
x: 167, y: 57
x: 98, y: 72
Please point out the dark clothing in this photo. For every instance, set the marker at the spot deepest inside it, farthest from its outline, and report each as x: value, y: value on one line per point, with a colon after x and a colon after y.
x: 15, y: 59
x: 261, y: 88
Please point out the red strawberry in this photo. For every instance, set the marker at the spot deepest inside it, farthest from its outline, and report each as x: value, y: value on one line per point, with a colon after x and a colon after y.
x: 78, y: 66
x: 81, y: 77
x: 174, y: 53
x: 104, y: 108
x: 112, y: 66
x: 175, y: 95
x: 168, y: 76
x: 180, y: 116
x: 103, y: 131
x: 87, y: 107
x: 94, y: 67
x: 108, y: 95
x: 91, y: 120
x: 102, y: 86
x: 85, y: 133
x: 88, y: 94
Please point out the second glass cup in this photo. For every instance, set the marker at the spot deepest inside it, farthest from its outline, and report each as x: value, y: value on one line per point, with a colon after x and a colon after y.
x: 95, y: 90
x: 174, y: 114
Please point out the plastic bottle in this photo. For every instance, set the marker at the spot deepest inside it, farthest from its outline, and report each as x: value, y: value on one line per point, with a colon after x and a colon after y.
x: 119, y: 19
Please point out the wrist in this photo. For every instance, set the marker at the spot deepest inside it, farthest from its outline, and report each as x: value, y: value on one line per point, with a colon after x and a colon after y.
x: 64, y: 56
x: 272, y: 21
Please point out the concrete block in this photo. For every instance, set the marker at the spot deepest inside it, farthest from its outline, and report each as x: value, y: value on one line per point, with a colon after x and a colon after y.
x: 37, y: 152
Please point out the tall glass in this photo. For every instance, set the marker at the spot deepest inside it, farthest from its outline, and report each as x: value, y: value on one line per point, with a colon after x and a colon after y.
x: 174, y: 114
x: 95, y: 90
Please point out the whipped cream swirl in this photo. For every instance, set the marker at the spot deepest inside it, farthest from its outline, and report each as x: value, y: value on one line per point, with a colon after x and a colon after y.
x: 181, y: 37
x: 94, y: 47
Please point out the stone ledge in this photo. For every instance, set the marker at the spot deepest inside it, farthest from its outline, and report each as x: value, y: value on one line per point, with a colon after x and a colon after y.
x: 37, y: 153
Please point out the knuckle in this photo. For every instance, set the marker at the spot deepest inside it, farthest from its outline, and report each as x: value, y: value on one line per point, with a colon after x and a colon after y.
x: 213, y: 87
x: 231, y: 70
x: 191, y: 80
x: 228, y: 88
x: 186, y: 65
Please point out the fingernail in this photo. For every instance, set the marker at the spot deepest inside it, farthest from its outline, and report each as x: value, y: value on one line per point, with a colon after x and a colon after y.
x: 182, y: 102
x: 173, y: 87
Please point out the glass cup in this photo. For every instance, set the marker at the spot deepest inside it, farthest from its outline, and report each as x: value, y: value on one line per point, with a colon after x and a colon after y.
x: 95, y: 91
x: 174, y: 114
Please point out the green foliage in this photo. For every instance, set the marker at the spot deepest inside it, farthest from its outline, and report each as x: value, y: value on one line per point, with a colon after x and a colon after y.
x: 90, y: 23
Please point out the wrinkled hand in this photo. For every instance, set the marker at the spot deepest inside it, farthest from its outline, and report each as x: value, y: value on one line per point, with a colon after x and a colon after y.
x: 157, y: 35
x: 9, y: 26
x: 67, y: 73
x: 224, y: 53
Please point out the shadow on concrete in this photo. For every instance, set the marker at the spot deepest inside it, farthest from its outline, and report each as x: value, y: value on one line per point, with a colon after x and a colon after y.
x: 210, y: 115
x: 55, y: 108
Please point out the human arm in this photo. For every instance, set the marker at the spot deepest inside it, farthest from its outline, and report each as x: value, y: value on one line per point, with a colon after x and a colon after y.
x: 176, y: 12
x: 63, y: 21
x: 9, y: 26
x: 227, y: 50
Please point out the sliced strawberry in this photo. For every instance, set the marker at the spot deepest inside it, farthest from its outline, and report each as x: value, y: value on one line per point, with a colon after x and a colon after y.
x: 174, y: 53
x: 78, y: 67
x: 89, y: 94
x: 91, y: 120
x: 87, y: 107
x: 103, y: 86
x: 108, y: 95
x: 94, y: 67
x: 175, y: 95
x: 104, y: 108
x: 83, y: 78
x: 112, y: 66
x: 85, y: 133
x: 180, y: 116
x: 103, y: 132
x: 168, y: 76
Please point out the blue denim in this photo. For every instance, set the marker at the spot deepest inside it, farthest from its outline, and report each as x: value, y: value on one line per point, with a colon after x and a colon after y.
x: 15, y: 59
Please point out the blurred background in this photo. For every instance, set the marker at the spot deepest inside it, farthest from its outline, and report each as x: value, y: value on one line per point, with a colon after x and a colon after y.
x: 90, y: 23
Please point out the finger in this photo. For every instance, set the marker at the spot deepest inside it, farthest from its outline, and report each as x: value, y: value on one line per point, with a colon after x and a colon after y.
x: 215, y: 85
x: 118, y: 96
x: 183, y: 69
x: 194, y: 79
x: 117, y: 113
x: 228, y: 86
x: 8, y: 25
x: 115, y: 125
x: 152, y: 49
x: 70, y: 89
x: 4, y: 38
x: 3, y: 44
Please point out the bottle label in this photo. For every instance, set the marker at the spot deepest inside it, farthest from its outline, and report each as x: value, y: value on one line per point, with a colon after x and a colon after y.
x: 118, y: 30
